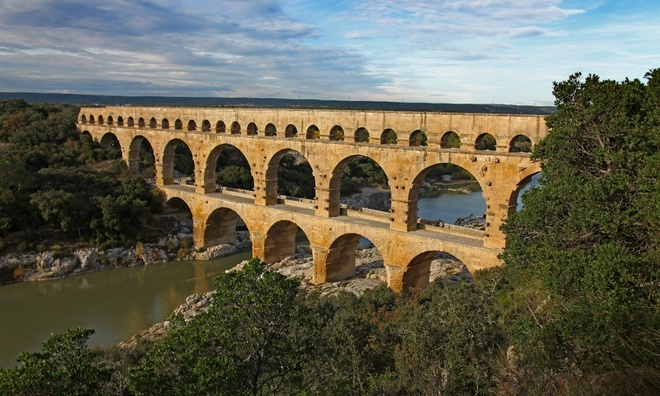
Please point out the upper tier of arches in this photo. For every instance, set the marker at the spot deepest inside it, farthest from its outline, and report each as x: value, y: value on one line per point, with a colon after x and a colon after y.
x: 472, y: 132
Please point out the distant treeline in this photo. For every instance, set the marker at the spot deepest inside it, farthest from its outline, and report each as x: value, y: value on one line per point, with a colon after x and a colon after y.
x: 103, y: 100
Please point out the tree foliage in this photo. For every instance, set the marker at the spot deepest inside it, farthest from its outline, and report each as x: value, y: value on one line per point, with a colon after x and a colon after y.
x: 590, y: 234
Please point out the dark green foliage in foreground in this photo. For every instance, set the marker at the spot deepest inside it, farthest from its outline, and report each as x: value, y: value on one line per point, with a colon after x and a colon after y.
x: 49, y: 190
x: 65, y: 366
x: 590, y: 237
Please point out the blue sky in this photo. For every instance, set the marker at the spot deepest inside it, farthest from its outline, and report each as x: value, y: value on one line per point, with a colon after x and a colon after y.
x: 450, y: 51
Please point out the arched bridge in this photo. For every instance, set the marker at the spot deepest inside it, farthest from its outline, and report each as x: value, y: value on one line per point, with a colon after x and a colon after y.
x: 405, y: 145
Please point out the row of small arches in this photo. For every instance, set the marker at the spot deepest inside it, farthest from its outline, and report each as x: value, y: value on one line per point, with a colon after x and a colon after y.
x: 450, y: 139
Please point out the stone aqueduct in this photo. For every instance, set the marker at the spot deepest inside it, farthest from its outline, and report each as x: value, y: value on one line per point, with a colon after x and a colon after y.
x: 328, y: 139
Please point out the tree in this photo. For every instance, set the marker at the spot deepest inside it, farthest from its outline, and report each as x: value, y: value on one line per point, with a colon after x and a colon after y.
x: 251, y: 341
x: 590, y: 236
x: 65, y: 366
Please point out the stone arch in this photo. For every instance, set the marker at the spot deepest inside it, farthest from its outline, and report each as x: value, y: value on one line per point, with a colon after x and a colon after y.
x: 449, y: 140
x: 340, y: 261
x: 83, y: 119
x: 335, y: 183
x: 361, y: 135
x: 280, y: 241
x: 519, y: 187
x: 110, y: 120
x: 178, y: 124
x: 418, y: 272
x: 168, y: 160
x: 141, y: 122
x: 252, y: 129
x: 212, y: 164
x: 192, y: 125
x: 110, y: 140
x: 290, y: 131
x: 220, y: 227
x: 100, y: 119
x: 270, y: 130
x: 336, y: 133
x: 135, y: 162
x: 520, y: 144
x: 485, y: 141
x: 130, y: 122
x: 165, y: 124
x: 418, y: 138
x: 235, y: 128
x: 206, y: 126
x: 91, y: 119
x: 153, y: 123
x: 420, y: 175
x: 86, y: 135
x: 313, y: 132
x: 183, y: 215
x: 273, y: 175
x: 220, y: 127
x: 120, y: 121
x: 388, y: 137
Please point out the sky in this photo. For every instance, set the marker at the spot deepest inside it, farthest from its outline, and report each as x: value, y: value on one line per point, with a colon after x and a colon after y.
x: 433, y: 51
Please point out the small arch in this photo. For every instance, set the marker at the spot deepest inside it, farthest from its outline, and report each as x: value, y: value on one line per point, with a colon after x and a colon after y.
x: 165, y: 123
x: 388, y: 137
x: 313, y: 132
x: 235, y: 128
x: 336, y: 133
x: 520, y: 144
x: 130, y: 122
x: 110, y: 120
x: 120, y: 121
x: 192, y: 125
x: 220, y: 127
x: 290, y: 131
x: 252, y: 129
x: 450, y: 140
x: 206, y: 126
x: 83, y: 119
x: 91, y: 119
x: 141, y: 122
x: 100, y: 120
x: 362, y: 135
x: 178, y: 125
x: 153, y: 123
x: 485, y: 141
x: 418, y: 139
x: 270, y: 130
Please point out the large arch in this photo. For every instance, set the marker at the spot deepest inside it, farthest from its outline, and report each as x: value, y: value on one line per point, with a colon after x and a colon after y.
x: 182, y: 213
x: 280, y: 241
x: 417, y: 274
x: 212, y: 165
x: 168, y: 161
x: 275, y: 172
x: 523, y: 185
x: 141, y: 157
x: 109, y: 139
x: 338, y: 172
x: 340, y: 259
x: 221, y: 227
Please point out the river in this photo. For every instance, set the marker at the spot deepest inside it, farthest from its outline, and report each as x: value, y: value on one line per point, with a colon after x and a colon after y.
x: 120, y: 303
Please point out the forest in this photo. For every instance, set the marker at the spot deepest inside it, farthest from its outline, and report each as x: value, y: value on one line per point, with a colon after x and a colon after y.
x: 573, y: 310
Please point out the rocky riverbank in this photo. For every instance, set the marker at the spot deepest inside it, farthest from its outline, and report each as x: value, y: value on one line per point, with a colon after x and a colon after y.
x: 369, y: 273
x: 60, y: 263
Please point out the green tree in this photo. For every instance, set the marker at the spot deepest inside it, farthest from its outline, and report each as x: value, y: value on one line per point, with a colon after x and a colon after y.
x: 65, y: 366
x: 251, y: 341
x: 590, y: 236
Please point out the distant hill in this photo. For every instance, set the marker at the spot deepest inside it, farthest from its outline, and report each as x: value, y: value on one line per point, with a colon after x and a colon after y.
x: 103, y: 100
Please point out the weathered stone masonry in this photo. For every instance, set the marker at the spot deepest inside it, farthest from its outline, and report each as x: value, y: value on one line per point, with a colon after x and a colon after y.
x: 327, y: 139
